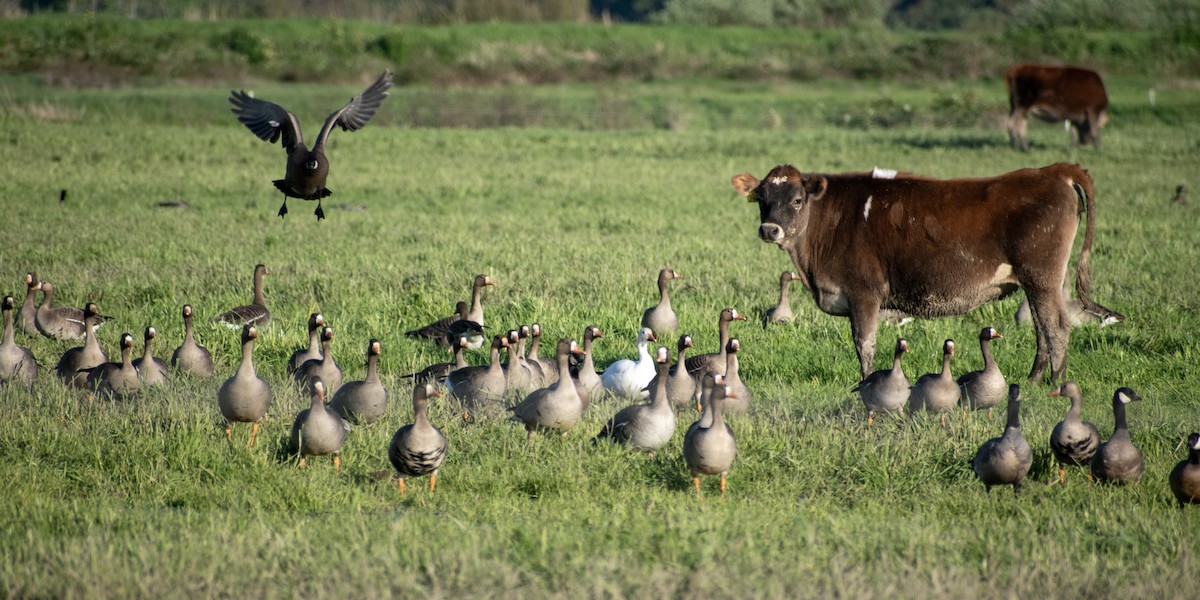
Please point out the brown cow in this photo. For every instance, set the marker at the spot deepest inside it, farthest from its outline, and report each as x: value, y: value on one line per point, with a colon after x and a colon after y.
x: 1056, y: 94
x: 928, y: 247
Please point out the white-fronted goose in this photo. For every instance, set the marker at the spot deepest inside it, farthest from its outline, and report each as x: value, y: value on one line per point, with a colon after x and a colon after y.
x: 936, y: 392
x: 645, y: 426
x: 191, y: 357
x: 255, y: 313
x: 245, y: 397
x: 517, y: 376
x: 313, y: 352
x: 317, y: 431
x: 984, y: 388
x: 115, y: 378
x: 363, y: 401
x: 585, y: 372
x: 418, y: 449
x: 74, y: 364
x: 781, y: 312
x: 324, y: 368
x: 885, y: 390
x: 1073, y: 440
x: 1185, y: 477
x: 681, y: 387
x: 554, y: 408
x: 1118, y: 461
x: 1005, y: 460
x: 438, y: 372
x: 627, y: 377
x: 27, y: 318
x: 17, y: 364
x: 476, y: 312
x: 661, y: 318
x: 710, y: 450
x: 537, y: 378
x: 150, y: 368
x: 307, y: 169
x: 739, y: 402
x: 698, y: 366
x: 546, y: 366
x: 447, y: 330
x: 479, y: 385
x: 711, y: 382
x: 61, y: 322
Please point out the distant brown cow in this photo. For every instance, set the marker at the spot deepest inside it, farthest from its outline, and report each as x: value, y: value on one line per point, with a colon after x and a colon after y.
x: 928, y: 247
x: 1056, y: 94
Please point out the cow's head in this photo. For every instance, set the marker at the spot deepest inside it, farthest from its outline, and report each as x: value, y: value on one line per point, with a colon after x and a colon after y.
x: 784, y: 198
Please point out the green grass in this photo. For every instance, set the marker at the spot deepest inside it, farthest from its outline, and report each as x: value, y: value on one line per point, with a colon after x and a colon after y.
x: 145, y: 498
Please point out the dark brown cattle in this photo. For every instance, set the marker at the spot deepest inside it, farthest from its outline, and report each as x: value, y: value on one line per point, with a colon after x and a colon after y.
x: 928, y: 247
x: 1056, y: 94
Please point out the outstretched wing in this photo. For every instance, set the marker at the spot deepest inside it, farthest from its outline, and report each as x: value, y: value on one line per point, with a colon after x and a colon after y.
x: 356, y: 113
x: 267, y: 120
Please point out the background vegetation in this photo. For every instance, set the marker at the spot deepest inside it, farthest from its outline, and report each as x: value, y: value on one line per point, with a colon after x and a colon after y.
x: 571, y: 196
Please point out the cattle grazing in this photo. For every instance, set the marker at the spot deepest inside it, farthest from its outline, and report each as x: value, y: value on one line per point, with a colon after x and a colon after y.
x: 928, y: 247
x: 1056, y: 94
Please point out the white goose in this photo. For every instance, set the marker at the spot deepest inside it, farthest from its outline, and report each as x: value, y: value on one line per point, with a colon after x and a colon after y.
x: 630, y: 378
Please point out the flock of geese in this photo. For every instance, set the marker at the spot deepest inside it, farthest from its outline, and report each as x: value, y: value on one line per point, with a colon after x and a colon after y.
x: 553, y: 393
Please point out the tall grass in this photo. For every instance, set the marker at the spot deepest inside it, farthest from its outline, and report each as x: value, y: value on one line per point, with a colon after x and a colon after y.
x: 145, y: 497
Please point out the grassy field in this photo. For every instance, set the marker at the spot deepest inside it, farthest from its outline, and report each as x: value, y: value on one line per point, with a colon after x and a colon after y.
x: 573, y: 219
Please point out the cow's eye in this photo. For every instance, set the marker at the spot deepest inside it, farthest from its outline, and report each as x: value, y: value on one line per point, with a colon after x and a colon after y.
x: 797, y: 198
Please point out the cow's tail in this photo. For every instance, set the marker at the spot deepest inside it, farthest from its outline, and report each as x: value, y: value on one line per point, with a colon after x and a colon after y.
x: 1086, y: 192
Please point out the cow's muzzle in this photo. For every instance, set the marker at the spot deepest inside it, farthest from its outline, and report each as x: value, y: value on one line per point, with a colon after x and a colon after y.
x: 770, y: 233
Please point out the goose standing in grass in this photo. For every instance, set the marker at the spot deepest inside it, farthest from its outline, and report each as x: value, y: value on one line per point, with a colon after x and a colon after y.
x: 313, y: 352
x: 681, y: 388
x: 518, y: 378
x: 307, y: 169
x: 325, y: 367
x: 698, y: 366
x: 984, y: 388
x: 27, y: 318
x: 710, y: 449
x: 255, y: 313
x: 61, y: 322
x: 318, y: 431
x: 661, y: 318
x: 885, y: 390
x: 1185, y: 477
x: 1005, y: 460
x: 418, y: 449
x: 585, y: 373
x: 363, y: 401
x: 739, y: 403
x: 782, y: 312
x: 554, y: 408
x: 536, y: 377
x: 150, y: 368
x: 627, y: 377
x: 936, y: 392
x: 545, y: 366
x: 438, y: 372
x: 191, y: 357
x: 17, y: 364
x: 115, y: 378
x: 645, y: 426
x: 1073, y: 440
x: 245, y: 397
x: 477, y: 386
x: 1118, y: 461
x: 74, y: 364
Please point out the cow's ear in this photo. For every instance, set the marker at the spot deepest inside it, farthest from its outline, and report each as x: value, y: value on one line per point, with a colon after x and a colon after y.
x: 745, y: 184
x: 815, y: 188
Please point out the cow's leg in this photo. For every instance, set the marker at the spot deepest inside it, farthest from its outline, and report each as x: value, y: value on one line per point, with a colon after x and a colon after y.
x: 864, y: 318
x: 1053, y: 327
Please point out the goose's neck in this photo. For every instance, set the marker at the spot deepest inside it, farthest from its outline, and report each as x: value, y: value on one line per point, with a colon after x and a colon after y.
x: 682, y: 357
x: 258, y: 290
x: 660, y: 385
x: 783, y: 291
x: 126, y: 357
x: 317, y: 405
x: 372, y: 368
x: 946, y: 365
x: 1076, y: 408
x: 1193, y: 456
x: 247, y: 367
x: 587, y: 355
x: 717, y: 410
x: 986, y: 347
x: 314, y: 341
x: 8, y: 328
x: 1014, y: 415
x: 564, y: 366
x: 643, y: 352
x: 460, y: 360
x: 188, y: 336
x: 476, y: 305
x: 731, y: 368
x: 30, y: 298
x: 147, y: 351
x: 326, y: 355
x: 420, y: 412
x: 1119, y: 422
x: 663, y: 298
x: 896, y: 363
x: 494, y: 367
x: 89, y: 333
x: 534, y: 344
x: 48, y: 299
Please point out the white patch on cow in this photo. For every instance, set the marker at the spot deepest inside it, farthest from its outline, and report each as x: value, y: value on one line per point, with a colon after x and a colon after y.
x: 877, y: 173
x: 1003, y: 274
x: 778, y: 180
x: 867, y: 208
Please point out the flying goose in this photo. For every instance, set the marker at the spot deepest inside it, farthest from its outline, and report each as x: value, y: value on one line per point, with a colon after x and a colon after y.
x: 17, y: 364
x: 1005, y: 460
x: 1073, y: 440
x: 781, y: 312
x: 307, y: 169
x: 885, y: 390
x: 255, y: 313
x: 629, y: 378
x: 74, y: 364
x: 245, y: 397
x: 318, y: 431
x: 984, y: 388
x: 1118, y: 460
x: 661, y: 318
x: 191, y: 357
x: 418, y: 449
x: 363, y: 401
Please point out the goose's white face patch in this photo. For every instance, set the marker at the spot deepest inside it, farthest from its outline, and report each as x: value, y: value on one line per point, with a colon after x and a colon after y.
x: 877, y: 173
x: 867, y: 208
